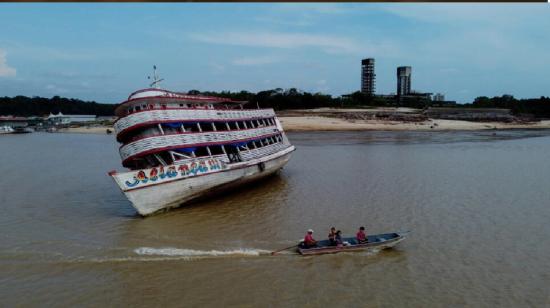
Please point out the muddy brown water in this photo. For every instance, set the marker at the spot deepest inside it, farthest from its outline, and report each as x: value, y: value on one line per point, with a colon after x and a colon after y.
x: 477, y: 203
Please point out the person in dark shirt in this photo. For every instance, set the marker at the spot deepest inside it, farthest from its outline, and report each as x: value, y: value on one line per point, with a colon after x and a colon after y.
x: 332, y: 237
x: 338, y: 238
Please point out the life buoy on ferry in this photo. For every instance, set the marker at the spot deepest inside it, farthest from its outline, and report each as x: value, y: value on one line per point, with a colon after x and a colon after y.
x: 261, y: 166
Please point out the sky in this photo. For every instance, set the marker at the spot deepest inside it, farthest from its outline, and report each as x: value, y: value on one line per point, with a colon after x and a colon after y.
x: 105, y: 51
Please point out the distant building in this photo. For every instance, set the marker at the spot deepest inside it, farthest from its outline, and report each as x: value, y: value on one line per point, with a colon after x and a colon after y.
x: 438, y: 97
x: 404, y: 80
x: 70, y: 118
x: 14, y: 122
x: 106, y: 118
x: 416, y: 94
x: 368, y: 77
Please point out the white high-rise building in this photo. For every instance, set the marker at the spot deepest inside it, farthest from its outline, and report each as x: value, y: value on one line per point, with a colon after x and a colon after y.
x: 404, y: 80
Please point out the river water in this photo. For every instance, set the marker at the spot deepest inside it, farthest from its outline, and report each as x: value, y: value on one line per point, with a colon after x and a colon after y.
x: 477, y: 203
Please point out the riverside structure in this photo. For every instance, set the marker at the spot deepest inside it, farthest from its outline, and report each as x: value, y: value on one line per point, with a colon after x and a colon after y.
x: 180, y: 147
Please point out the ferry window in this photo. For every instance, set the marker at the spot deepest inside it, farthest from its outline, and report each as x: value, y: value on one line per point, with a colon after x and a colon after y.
x: 151, y: 106
x: 206, y: 127
x: 163, y: 106
x: 220, y: 126
x: 216, y: 150
x: 201, y: 151
x: 190, y: 127
x: 166, y: 157
x: 181, y: 105
x: 138, y: 108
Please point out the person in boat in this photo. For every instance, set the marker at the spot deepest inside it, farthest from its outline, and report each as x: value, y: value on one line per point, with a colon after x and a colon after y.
x: 309, y: 241
x: 338, y: 238
x: 361, y: 236
x: 332, y: 237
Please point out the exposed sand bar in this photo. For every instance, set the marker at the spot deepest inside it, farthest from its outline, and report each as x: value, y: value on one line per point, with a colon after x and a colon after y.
x: 339, y: 119
x: 87, y: 129
x: 317, y: 123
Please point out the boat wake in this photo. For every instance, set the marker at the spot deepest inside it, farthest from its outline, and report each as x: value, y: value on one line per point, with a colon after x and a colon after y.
x: 192, y: 253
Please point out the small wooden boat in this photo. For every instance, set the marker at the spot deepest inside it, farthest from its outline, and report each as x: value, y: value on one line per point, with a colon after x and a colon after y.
x: 378, y: 241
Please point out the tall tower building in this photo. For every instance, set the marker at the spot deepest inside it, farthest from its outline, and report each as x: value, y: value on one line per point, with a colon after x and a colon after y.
x: 403, y: 80
x: 368, y: 77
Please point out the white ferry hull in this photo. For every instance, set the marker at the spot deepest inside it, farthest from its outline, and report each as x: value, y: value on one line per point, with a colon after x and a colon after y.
x: 148, y: 200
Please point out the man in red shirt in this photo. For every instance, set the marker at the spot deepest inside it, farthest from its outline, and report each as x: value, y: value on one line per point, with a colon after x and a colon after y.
x: 361, y: 236
x: 309, y: 241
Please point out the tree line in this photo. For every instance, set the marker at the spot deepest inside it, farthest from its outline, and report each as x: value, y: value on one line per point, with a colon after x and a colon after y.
x: 537, y: 107
x: 278, y: 99
x: 40, y: 106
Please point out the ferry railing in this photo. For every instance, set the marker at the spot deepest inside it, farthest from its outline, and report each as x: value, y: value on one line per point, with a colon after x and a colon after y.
x: 167, y: 115
x: 188, y: 140
x: 263, y: 151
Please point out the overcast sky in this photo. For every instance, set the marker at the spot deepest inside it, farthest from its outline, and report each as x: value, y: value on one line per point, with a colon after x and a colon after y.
x: 105, y: 51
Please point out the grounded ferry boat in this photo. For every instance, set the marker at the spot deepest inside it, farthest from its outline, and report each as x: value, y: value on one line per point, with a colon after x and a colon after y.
x: 180, y: 147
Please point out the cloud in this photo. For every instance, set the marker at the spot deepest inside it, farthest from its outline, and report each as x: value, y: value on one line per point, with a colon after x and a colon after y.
x: 299, y: 22
x: 448, y: 70
x: 5, y: 69
x: 216, y: 67
x: 52, y: 88
x: 255, y: 61
x: 328, y: 43
x: 303, y: 14
x: 450, y: 13
x: 474, y: 16
x: 316, y: 8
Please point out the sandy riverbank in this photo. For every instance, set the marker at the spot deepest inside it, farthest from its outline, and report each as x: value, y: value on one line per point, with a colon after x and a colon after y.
x: 330, y: 119
x: 87, y: 129
x: 317, y: 123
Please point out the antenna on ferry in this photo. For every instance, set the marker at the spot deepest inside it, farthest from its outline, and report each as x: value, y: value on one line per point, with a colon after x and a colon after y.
x: 156, y: 79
